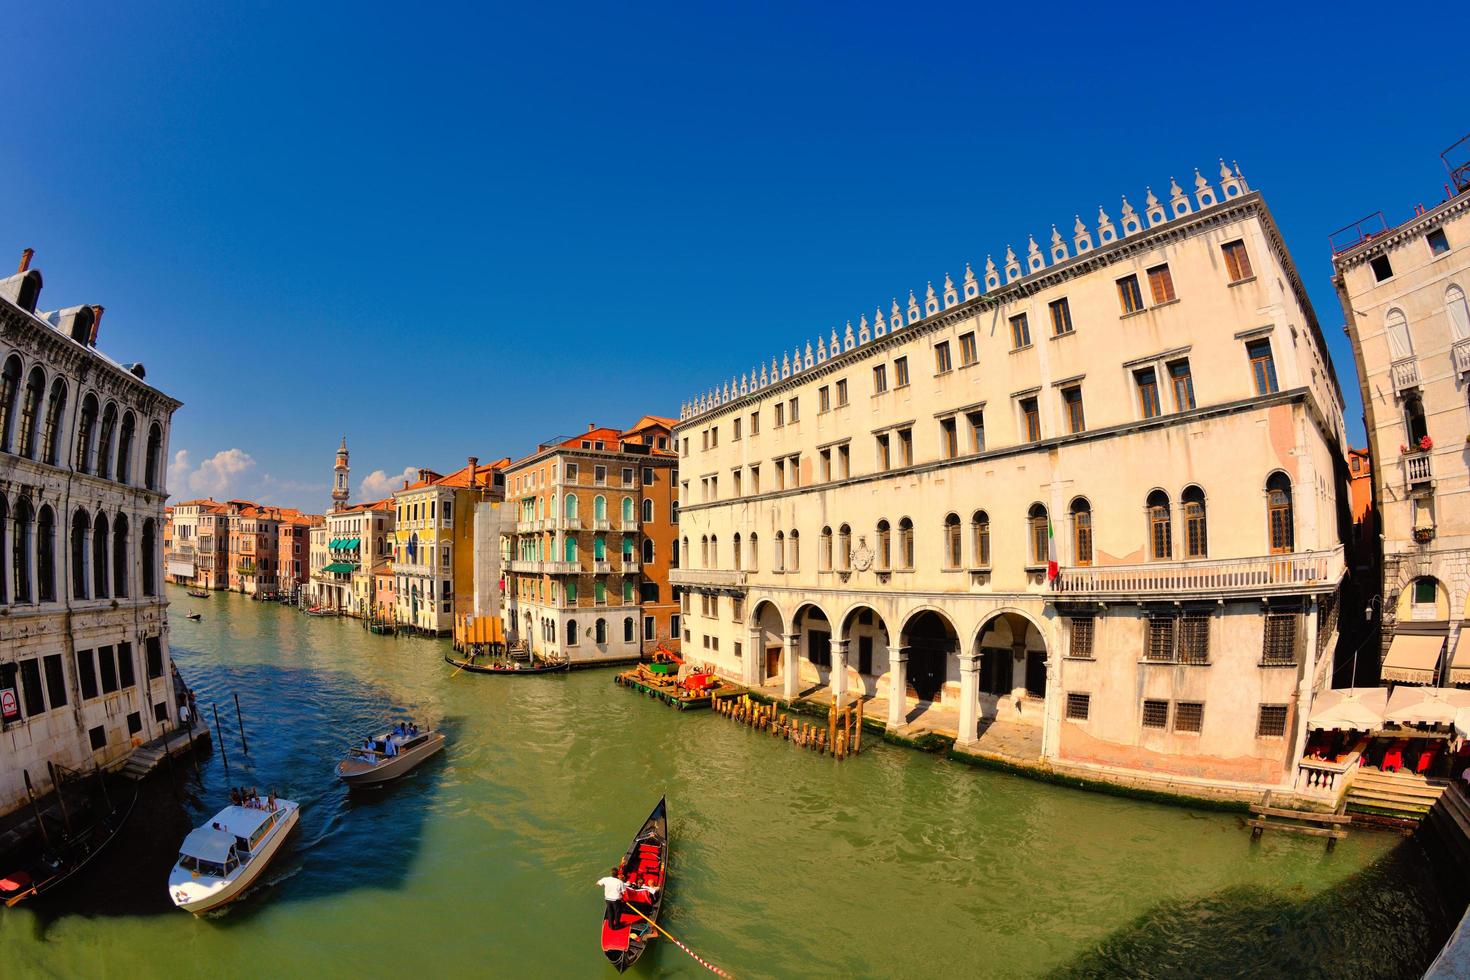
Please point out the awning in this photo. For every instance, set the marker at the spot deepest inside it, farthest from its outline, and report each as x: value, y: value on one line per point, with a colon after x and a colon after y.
x: 341, y: 567
x: 333, y: 544
x: 184, y: 569
x: 1412, y: 659
x: 352, y: 543
x: 208, y: 844
x: 1426, y: 705
x: 1460, y: 662
x: 1353, y: 709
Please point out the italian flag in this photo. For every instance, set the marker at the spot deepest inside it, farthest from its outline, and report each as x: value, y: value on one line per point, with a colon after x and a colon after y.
x: 1052, y: 571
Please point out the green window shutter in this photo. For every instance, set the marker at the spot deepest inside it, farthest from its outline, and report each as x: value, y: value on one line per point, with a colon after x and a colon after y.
x: 571, y: 592
x: 627, y: 591
x: 571, y: 549
x: 599, y: 590
x: 599, y: 548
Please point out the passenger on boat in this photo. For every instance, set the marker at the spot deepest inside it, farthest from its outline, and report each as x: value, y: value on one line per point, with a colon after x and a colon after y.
x: 413, y: 731
x: 390, y: 747
x: 612, y: 892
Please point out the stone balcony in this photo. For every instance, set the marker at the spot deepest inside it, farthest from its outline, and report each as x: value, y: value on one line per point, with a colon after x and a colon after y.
x: 566, y: 524
x: 562, y: 567
x: 1460, y: 353
x: 1418, y: 467
x: 529, y: 527
x: 1309, y: 571
x: 719, y: 577
x: 602, y: 567
x: 601, y: 524
x: 526, y: 567
x: 630, y: 566
x: 1405, y: 373
x: 628, y: 527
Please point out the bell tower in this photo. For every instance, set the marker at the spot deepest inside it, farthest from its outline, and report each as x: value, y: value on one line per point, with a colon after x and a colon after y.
x: 339, y: 478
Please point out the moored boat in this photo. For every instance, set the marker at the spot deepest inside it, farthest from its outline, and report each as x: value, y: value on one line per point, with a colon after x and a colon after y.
x: 389, y: 757
x: 221, y: 858
x: 511, y: 666
x: 59, y: 860
x: 320, y: 611
x: 626, y: 933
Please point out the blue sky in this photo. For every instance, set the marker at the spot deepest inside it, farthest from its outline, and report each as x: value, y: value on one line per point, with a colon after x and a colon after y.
x: 448, y: 231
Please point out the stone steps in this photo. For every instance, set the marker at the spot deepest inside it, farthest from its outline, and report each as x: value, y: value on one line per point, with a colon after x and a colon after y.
x: 1398, y: 793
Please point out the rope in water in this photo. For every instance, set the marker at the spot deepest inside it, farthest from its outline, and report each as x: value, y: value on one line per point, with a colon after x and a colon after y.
x: 702, y: 962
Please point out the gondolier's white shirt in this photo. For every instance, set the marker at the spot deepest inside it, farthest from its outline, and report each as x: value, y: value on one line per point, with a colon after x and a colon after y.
x: 612, y: 888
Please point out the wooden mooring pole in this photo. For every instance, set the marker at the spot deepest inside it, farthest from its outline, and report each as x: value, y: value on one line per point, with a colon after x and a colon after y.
x: 219, y: 737
x: 241, y: 719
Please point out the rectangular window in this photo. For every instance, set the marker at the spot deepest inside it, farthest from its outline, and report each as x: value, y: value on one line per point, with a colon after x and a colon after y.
x: 824, y: 465
x: 1279, y: 644
x: 901, y: 372
x: 1129, y: 295
x: 1082, y: 631
x: 1030, y: 420
x: 1078, y: 706
x: 735, y: 480
x: 98, y: 737
x: 55, y: 681
x: 1061, y: 317
x: 1382, y: 268
x: 674, y: 625
x: 755, y: 479
x: 1161, y: 284
x: 905, y: 447
x: 628, y: 470
x: 880, y: 379
x: 1020, y: 332
x: 155, y: 657
x: 1148, y: 393
x: 794, y: 466
x: 1072, y: 402
x: 885, y: 459
x: 87, y: 674
x: 135, y: 722
x: 795, y: 410
x: 1183, y: 383
x: 125, y: 674
x: 780, y: 415
x: 1156, y: 714
x: 571, y: 468
x: 755, y: 423
x: 1263, y: 366
x: 735, y: 430
x: 824, y: 399
x: 1237, y: 262
x: 942, y: 363
x: 1194, y: 639
x: 1271, y: 723
x: 599, y: 473
x: 949, y: 440
x: 649, y: 627
x: 1438, y: 244
x: 1189, y: 716
x: 30, y: 685
x: 842, y: 393
x: 1423, y: 591
x: 976, y: 422
x: 968, y: 353
x: 844, y: 462
x: 1159, y: 644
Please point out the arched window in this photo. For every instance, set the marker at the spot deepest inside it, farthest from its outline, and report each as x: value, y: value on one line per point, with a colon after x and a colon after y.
x: 736, y: 552
x: 906, y: 543
x: 570, y: 505
x: 600, y: 631
x: 1415, y: 425
x: 153, y: 463
x: 793, y: 552
x: 778, y: 553
x: 1196, y: 540
x: 1280, y: 522
x: 55, y: 408
x: 106, y: 434
x: 86, y: 431
x: 81, y: 529
x: 980, y: 538
x: 844, y: 547
x: 599, y: 548
x: 120, y: 556
x: 125, y: 449
x: 885, y: 547
x: 704, y: 551
x: 627, y: 629
x: 1396, y: 329
x: 648, y: 550
x: 30, y: 413
x: 46, y: 554
x: 599, y: 508
x: 824, y: 550
x: 755, y: 552
x: 21, y: 551
x: 1459, y: 312
x: 1160, y: 527
x: 599, y: 591
x: 1081, y: 531
x: 953, y: 549
x: 1040, y: 528
x: 714, y: 552
x: 99, y: 557
x: 9, y: 392
x: 629, y: 514
x: 647, y: 510
x: 570, y: 547
x: 571, y: 633
x: 4, y: 540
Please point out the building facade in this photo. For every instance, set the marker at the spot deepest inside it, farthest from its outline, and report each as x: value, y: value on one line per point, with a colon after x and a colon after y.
x: 1403, y: 291
x: 85, y: 673
x: 1091, y: 497
x: 587, y: 577
x: 293, y: 550
x: 197, y: 551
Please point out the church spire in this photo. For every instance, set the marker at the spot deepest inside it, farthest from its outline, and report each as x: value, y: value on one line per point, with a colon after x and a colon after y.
x: 339, y: 478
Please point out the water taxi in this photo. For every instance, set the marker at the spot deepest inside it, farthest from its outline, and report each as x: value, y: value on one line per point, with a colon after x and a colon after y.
x: 391, y: 755
x: 220, y: 859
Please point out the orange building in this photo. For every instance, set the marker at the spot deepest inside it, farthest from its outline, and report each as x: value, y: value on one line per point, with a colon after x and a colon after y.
x: 293, y: 549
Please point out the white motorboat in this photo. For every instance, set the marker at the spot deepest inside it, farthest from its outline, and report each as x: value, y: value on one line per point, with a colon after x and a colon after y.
x: 388, y: 756
x: 220, y: 859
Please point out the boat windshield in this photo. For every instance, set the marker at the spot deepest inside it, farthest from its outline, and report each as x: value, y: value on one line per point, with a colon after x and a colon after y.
x: 207, y: 869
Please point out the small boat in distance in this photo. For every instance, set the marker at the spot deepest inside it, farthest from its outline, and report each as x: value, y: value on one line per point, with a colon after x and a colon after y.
x: 387, y: 757
x: 320, y: 611
x: 194, y: 616
x: 625, y: 933
x: 512, y: 667
x: 220, y: 859
x: 198, y: 593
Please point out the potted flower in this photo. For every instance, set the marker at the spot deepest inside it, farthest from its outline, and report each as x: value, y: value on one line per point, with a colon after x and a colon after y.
x: 1426, y: 443
x: 1403, y: 449
x: 1423, y: 534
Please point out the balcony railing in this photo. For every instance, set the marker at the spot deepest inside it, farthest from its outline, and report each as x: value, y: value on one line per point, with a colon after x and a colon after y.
x: 1461, y: 355
x: 528, y: 527
x: 1418, y: 467
x: 628, y: 527
x: 706, y: 576
x: 1251, y: 576
x: 563, y: 567
x: 1326, y: 780
x: 601, y: 524
x: 630, y: 566
x: 526, y: 567
x: 1405, y: 374
x: 602, y: 567
x: 569, y: 523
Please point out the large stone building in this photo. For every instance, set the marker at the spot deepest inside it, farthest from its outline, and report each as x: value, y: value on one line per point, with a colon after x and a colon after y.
x: 197, y: 553
x: 84, y: 658
x: 1087, y: 502
x: 1403, y: 291
x: 593, y: 543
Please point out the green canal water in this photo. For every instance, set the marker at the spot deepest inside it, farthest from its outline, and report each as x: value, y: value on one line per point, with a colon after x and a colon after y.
x: 483, y: 862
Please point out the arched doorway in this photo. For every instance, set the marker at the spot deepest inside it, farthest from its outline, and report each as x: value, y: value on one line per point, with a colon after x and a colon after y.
x: 930, y: 641
x: 867, y: 646
x: 1012, y: 658
x: 816, y: 641
x: 769, y: 629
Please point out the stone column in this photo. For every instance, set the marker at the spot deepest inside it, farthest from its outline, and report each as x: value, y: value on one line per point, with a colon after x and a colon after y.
x: 790, y: 669
x: 838, y: 676
x: 755, y: 658
x: 898, y: 682
x: 969, y: 699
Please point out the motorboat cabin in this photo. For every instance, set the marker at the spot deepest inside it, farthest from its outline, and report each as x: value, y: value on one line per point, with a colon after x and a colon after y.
x: 220, y: 859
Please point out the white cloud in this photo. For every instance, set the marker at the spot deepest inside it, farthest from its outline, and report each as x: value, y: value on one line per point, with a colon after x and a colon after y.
x: 378, y: 484
x: 178, y: 471
x: 219, y: 475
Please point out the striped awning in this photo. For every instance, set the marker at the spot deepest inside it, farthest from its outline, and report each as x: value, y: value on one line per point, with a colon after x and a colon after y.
x: 1412, y: 658
x: 340, y: 567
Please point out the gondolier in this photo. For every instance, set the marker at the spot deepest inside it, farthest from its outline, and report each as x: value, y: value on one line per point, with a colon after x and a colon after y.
x: 612, y: 890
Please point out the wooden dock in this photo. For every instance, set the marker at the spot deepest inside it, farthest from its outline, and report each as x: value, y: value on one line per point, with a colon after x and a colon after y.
x: 1332, y: 826
x: 150, y: 755
x: 666, y: 688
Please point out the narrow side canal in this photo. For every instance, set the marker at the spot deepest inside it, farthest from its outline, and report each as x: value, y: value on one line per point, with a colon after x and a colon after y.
x: 784, y: 863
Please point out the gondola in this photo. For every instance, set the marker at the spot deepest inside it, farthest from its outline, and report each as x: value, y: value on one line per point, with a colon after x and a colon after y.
x: 512, y: 669
x: 198, y: 593
x: 625, y: 934
x: 194, y: 616
x: 54, y: 866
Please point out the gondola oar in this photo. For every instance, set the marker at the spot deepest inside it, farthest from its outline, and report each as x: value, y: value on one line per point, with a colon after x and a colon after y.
x: 664, y: 932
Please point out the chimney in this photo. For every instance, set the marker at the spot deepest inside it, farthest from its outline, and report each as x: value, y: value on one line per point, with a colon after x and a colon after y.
x: 25, y: 260
x: 96, y: 322
x: 474, y: 468
x: 591, y: 426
